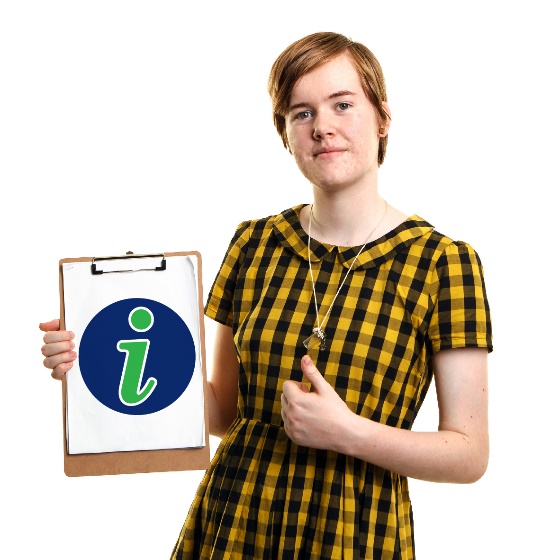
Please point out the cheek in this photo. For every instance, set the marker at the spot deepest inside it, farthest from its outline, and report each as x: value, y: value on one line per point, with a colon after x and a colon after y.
x: 295, y: 143
x: 292, y: 139
x: 366, y: 137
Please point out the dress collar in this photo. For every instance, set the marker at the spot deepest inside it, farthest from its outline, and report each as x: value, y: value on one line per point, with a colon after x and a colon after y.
x: 291, y: 235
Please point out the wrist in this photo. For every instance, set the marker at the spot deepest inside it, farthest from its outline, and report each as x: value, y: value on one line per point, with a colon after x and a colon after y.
x: 349, y: 441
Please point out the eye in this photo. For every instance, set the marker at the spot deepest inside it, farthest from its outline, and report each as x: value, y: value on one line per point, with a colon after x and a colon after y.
x: 343, y: 105
x: 303, y: 115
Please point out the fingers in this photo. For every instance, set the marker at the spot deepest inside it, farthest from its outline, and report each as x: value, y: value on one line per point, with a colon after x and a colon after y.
x: 292, y: 388
x: 284, y: 411
x: 291, y: 395
x: 293, y: 410
x: 53, y: 325
x: 58, y: 349
x: 57, y: 336
x: 56, y: 358
x: 60, y: 363
x: 61, y: 370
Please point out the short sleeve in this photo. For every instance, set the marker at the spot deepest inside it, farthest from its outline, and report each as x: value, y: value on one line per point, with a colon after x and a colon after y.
x: 461, y: 316
x: 220, y: 299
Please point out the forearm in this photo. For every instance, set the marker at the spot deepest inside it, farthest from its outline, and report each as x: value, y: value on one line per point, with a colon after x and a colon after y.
x: 223, y: 385
x: 442, y: 456
x: 457, y: 452
x: 220, y: 417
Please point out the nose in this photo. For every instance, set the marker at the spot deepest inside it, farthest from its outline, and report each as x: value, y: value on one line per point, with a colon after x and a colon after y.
x: 323, y: 126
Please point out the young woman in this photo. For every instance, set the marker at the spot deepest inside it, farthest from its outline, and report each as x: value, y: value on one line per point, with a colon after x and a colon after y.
x: 333, y: 319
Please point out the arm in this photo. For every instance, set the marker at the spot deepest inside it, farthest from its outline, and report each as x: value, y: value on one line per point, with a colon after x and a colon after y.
x: 456, y: 452
x: 223, y: 382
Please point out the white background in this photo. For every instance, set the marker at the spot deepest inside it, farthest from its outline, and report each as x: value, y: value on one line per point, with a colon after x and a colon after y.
x: 145, y: 126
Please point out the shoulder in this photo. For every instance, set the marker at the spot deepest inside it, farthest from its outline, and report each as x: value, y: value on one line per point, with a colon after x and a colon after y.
x: 266, y: 224
x: 256, y: 230
x: 440, y: 246
x: 456, y: 270
x: 439, y: 259
x: 455, y: 251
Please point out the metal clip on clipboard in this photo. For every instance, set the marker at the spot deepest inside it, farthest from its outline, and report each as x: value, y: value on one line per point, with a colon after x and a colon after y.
x: 151, y: 262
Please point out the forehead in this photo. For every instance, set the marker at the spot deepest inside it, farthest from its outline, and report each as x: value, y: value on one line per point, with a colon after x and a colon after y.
x: 338, y: 74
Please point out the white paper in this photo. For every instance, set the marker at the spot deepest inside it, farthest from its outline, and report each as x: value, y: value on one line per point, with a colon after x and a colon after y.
x: 92, y: 427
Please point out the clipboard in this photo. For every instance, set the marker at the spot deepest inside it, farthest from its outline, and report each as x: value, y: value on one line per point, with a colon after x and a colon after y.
x: 137, y: 461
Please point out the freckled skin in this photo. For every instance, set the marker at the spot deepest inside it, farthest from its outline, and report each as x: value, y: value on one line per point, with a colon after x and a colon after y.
x: 346, y: 122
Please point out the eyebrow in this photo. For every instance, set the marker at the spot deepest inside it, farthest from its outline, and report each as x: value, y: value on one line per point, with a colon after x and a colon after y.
x: 342, y: 93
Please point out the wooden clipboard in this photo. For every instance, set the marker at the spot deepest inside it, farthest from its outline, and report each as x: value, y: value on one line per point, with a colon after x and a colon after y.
x: 143, y: 461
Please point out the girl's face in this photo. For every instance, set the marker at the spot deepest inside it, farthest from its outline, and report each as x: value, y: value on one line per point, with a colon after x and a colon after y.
x: 332, y: 127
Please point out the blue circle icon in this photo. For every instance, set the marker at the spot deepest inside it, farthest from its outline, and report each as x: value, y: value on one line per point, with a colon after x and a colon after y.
x: 137, y: 356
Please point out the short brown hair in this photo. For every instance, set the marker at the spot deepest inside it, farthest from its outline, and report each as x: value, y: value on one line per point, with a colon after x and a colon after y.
x: 308, y: 53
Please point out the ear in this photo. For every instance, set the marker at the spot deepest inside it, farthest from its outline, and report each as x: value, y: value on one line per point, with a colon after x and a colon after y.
x: 385, y: 124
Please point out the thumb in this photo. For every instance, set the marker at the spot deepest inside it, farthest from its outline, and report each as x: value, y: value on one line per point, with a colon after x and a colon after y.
x: 312, y: 374
x: 53, y: 325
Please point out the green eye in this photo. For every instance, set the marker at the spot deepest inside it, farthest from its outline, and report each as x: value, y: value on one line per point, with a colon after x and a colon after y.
x: 303, y: 115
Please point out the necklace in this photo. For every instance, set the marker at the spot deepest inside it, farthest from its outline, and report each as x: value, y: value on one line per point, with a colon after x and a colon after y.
x: 318, y: 337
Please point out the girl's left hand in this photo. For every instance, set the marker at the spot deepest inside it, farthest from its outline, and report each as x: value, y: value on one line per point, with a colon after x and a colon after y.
x: 315, y: 419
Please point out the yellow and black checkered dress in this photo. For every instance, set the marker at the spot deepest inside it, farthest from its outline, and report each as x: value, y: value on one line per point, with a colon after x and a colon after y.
x: 411, y: 293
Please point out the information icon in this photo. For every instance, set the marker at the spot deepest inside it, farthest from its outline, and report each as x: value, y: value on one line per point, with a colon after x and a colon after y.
x: 137, y: 356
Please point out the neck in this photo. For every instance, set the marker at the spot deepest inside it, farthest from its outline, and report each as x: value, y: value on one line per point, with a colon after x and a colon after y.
x: 345, y: 219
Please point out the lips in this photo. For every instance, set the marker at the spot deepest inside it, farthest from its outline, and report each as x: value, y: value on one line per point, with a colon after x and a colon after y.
x: 328, y: 151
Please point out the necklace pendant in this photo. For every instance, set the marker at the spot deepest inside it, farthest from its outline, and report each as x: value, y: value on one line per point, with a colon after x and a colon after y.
x: 317, y: 339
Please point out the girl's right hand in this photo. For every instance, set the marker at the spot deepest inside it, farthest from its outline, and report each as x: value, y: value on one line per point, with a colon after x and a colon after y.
x: 58, y: 348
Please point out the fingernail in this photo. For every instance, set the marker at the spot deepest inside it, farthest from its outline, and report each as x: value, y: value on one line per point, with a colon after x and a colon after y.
x: 307, y: 360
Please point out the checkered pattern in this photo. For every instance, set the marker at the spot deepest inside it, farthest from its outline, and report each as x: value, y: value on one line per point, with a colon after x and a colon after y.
x: 410, y: 294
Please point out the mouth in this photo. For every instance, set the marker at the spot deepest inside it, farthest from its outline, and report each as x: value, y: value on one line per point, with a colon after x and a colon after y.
x: 328, y: 152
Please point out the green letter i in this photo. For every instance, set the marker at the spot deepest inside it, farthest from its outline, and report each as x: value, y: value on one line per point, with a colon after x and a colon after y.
x: 140, y: 319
